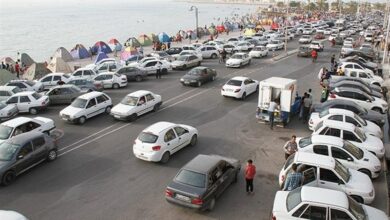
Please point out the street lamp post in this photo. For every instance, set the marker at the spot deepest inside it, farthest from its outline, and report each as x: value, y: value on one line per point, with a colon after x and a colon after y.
x: 285, y: 26
x: 196, y: 18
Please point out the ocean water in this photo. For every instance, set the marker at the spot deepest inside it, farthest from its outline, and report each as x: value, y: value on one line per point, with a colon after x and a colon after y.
x: 39, y: 27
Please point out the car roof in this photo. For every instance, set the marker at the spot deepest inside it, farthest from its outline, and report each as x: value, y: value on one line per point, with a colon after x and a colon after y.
x: 338, y: 124
x: 314, y: 159
x: 158, y: 127
x: 341, y: 111
x: 20, y: 80
x: 326, y: 139
x: 340, y: 89
x: 21, y: 139
x: 7, y: 88
x: 64, y: 86
x: 240, y: 53
x: 23, y: 93
x: 241, y: 78
x: 324, y: 196
x: 16, y: 121
x: 139, y: 93
x: 106, y: 73
x: 54, y: 74
x: 202, y: 163
x: 90, y: 95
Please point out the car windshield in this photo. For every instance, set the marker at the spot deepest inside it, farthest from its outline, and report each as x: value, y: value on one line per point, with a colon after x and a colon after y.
x: 352, y: 149
x: 234, y: 82
x: 30, y: 83
x: 305, y: 142
x: 2, y: 105
x: 274, y: 42
x: 360, y: 120
x: 342, y: 171
x: 360, y: 134
x: 79, y: 103
x: 146, y: 137
x: 195, y: 72
x: 236, y: 56
x: 36, y: 95
x: 293, y: 198
x: 129, y: 100
x: 5, y: 132
x: 324, y: 113
x: 191, y: 178
x: 257, y: 49
x: 182, y: 58
x: 7, y: 151
x: 356, y: 209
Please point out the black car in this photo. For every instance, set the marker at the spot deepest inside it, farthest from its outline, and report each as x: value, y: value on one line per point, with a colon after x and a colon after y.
x: 198, y: 76
x: 356, y: 85
x: 198, y: 184
x: 133, y: 73
x: 361, y: 53
x: 23, y: 152
x: 174, y: 50
x: 88, y: 85
x: 370, y: 115
x: 356, y: 79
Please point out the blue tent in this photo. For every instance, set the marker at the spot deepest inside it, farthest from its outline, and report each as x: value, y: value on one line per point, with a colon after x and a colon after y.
x: 100, y: 56
x: 79, y: 52
x: 163, y: 37
x: 100, y: 46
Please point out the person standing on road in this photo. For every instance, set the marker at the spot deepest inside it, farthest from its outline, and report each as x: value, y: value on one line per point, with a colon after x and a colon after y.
x: 158, y: 71
x: 293, y: 180
x: 332, y: 60
x: 250, y: 172
x: 307, y: 102
x: 273, y: 105
x: 290, y: 147
x: 17, y: 69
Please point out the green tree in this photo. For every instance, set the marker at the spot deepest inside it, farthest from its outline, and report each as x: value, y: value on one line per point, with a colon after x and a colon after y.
x: 280, y: 4
x: 351, y: 7
x: 322, y: 5
x: 295, y: 4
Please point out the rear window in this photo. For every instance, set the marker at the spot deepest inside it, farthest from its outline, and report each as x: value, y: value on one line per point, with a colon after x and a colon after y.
x: 191, y: 178
x: 36, y: 95
x: 294, y: 198
x: 147, y: 137
x: 304, y: 142
x: 234, y: 82
x: 30, y: 83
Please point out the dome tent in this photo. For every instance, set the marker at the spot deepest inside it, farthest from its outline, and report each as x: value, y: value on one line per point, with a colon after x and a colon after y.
x: 79, y: 52
x: 132, y: 42
x: 6, y: 76
x: 145, y: 40
x: 58, y: 65
x: 26, y: 59
x: 100, y: 46
x: 63, y: 54
x: 100, y: 56
x: 36, y: 71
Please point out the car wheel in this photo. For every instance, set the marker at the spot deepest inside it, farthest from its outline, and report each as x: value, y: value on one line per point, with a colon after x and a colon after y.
x: 377, y: 109
x: 199, y: 63
x: 165, y: 157
x: 213, y: 78
x: 357, y: 198
x: 249, y: 62
x: 194, y: 140
x: 243, y: 96
x: 82, y: 120
x: 213, y: 56
x: 235, y: 177
x: 211, y: 205
x: 108, y: 109
x: 33, y: 111
x: 156, y: 107
x: 184, y: 66
x: 199, y: 83
x: 8, y: 178
x: 133, y: 117
x: 138, y: 78
x: 240, y: 65
x: 365, y: 171
x: 115, y: 86
x: 52, y: 155
x: 164, y: 71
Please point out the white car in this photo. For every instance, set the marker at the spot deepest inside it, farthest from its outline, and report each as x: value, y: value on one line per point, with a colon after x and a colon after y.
x: 305, y: 39
x: 354, y: 66
x: 349, y: 40
x: 151, y: 66
x: 244, y: 46
x: 188, y: 52
x: 22, y: 125
x: 83, y: 73
x: 159, y: 141
x: 275, y: 45
x: 307, y: 31
x: 316, y: 45
x: 327, y: 172
x: 8, y: 91
x: 317, y: 203
x: 238, y: 60
x: 361, y: 60
x: 26, y: 85
x: 359, y: 97
x: 332, y: 36
x: 328, y: 31
x: 7, y: 111
x: 345, y: 152
x: 87, y: 106
x: 208, y: 51
x: 93, y: 65
x: 143, y: 60
x: 362, y: 75
x: 259, y: 51
x: 347, y: 48
x: 135, y: 104
x: 31, y: 102
x: 11, y: 215
x: 109, y: 66
x: 346, y: 116
x: 52, y: 79
x: 239, y: 87
x: 335, y: 30
x: 162, y: 55
x: 186, y: 61
x: 352, y: 134
x: 216, y: 44
x: 229, y: 48
x: 111, y: 80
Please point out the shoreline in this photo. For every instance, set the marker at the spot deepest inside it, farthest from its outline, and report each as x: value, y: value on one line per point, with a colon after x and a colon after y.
x: 223, y: 3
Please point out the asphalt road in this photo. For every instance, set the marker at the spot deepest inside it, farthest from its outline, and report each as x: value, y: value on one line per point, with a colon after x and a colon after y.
x: 97, y: 177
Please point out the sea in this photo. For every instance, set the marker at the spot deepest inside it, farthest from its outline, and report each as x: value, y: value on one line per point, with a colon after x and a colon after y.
x: 39, y: 27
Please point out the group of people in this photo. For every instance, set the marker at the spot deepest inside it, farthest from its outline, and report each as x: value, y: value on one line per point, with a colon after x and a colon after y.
x: 16, y: 69
x: 159, y: 46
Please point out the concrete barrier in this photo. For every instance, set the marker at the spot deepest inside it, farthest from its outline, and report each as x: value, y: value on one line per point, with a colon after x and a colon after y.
x: 283, y: 55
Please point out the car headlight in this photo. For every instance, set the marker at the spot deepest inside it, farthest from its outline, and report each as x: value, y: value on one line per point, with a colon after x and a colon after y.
x: 181, y: 80
x: 384, y: 105
x: 371, y: 193
x: 377, y: 167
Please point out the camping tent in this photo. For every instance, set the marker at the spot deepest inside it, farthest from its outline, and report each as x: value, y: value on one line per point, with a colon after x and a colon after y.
x: 36, y: 71
x: 6, y: 76
x: 26, y: 59
x: 163, y: 37
x: 100, y: 46
x: 100, y: 56
x: 132, y: 42
x: 128, y: 52
x: 144, y: 40
x: 8, y: 60
x: 63, y: 54
x: 79, y: 52
x: 58, y: 65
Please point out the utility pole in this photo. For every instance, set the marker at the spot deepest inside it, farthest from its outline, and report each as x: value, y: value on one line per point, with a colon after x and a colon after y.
x: 285, y: 26
x: 196, y: 18
x: 385, y: 51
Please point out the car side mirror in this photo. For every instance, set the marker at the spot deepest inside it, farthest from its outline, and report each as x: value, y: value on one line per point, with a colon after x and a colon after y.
x: 20, y: 157
x: 349, y: 159
x: 340, y: 182
x: 186, y: 131
x: 368, y: 100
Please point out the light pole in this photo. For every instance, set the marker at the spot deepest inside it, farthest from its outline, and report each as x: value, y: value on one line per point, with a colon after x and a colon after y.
x: 285, y: 27
x: 387, y: 40
x: 196, y: 17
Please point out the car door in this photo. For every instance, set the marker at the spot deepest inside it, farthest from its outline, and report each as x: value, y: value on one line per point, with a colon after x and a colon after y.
x: 24, y: 103
x: 321, y: 149
x: 108, y: 81
x: 54, y: 81
x: 141, y: 105
x: 361, y: 99
x: 314, y: 212
x: 46, y: 81
x: 55, y: 96
x: 338, y: 214
x: 91, y: 108
x: 78, y: 74
x: 344, y: 157
x: 102, y: 103
x: 252, y: 85
x: 40, y: 152
x: 171, y: 141
x: 150, y: 67
x: 150, y: 102
x: 183, y: 136
x: 329, y: 180
x: 88, y: 74
x: 331, y: 132
x: 25, y: 158
x: 310, y: 177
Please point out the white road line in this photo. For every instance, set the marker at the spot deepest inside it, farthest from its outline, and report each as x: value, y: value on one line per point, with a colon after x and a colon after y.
x: 173, y: 98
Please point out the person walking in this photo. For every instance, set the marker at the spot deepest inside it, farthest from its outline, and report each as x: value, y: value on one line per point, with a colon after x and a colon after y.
x: 158, y: 71
x: 293, y: 180
x: 250, y: 172
x: 273, y: 105
x: 17, y: 69
x: 290, y: 147
x: 301, y: 106
x: 307, y: 102
x: 332, y: 60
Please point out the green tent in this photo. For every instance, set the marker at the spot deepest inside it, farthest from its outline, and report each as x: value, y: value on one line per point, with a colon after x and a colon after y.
x: 6, y: 76
x: 145, y: 40
x: 132, y: 42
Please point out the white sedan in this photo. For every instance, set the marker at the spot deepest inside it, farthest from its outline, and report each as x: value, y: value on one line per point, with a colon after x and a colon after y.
x: 275, y: 45
x: 31, y: 102
x: 151, y: 66
x: 7, y: 111
x: 244, y: 46
x: 159, y: 141
x: 259, y: 51
x: 136, y: 104
x: 111, y: 80
x: 239, y: 87
x: 305, y: 39
x: 238, y: 60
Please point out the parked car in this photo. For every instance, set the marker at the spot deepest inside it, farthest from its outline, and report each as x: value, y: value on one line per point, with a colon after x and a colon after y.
x: 174, y: 50
x: 304, y: 51
x: 198, y: 76
x: 52, y: 79
x: 239, y: 87
x: 345, y: 152
x: 162, y: 55
x: 100, y: 62
x: 305, y: 39
x: 23, y: 152
x: 368, y: 55
x: 133, y: 73
x: 243, y: 46
x: 31, y: 102
x: 87, y: 106
x: 151, y: 66
x: 350, y: 132
x: 347, y: 48
x: 109, y: 66
x: 8, y: 91
x: 22, y: 125
x: 188, y: 52
x: 7, y: 111
x: 238, y: 60
x: 160, y: 140
x: 362, y: 75
x: 26, y: 85
x: 111, y: 80
x: 208, y: 51
x: 83, y: 73
x: 64, y: 94
x: 11, y: 215
x: 201, y: 181
x: 186, y: 61
x: 275, y: 45
x: 318, y: 203
x: 259, y: 51
x: 87, y: 85
x: 142, y: 61
x: 326, y: 172
x: 357, y: 85
x: 135, y: 104
x: 360, y: 60
x: 316, y: 45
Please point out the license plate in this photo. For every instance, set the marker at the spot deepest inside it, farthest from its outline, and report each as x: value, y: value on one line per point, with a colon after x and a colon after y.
x: 116, y: 116
x: 229, y: 90
x: 183, y: 198
x: 186, y: 82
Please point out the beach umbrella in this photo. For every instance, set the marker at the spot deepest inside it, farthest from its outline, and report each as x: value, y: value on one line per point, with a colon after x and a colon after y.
x: 249, y: 32
x: 144, y: 40
x: 163, y: 37
x: 128, y: 52
x: 113, y: 41
x: 132, y: 42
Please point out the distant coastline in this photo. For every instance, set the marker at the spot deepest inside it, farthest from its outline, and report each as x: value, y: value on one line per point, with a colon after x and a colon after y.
x: 223, y: 2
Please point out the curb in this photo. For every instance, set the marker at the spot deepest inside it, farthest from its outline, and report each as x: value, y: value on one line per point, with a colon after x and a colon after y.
x: 283, y: 55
